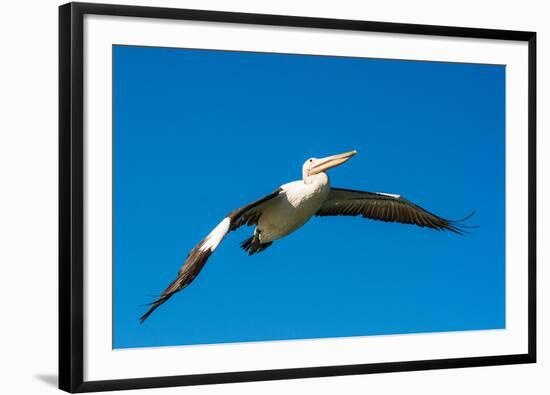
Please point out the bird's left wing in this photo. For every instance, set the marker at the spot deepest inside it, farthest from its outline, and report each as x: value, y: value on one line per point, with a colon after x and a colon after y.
x: 246, y: 215
x: 385, y: 207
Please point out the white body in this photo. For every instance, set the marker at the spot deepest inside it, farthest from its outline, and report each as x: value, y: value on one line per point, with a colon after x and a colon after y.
x: 298, y: 202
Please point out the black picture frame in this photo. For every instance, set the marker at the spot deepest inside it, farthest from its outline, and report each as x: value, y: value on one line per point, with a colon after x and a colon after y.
x: 71, y: 179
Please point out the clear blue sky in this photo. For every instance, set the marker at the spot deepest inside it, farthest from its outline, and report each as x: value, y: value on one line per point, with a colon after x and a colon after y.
x: 198, y: 133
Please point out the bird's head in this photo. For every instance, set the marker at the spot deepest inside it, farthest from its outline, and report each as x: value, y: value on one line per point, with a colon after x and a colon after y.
x: 314, y: 166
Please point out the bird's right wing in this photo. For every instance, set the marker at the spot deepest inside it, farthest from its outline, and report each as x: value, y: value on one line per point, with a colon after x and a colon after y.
x: 385, y: 207
x: 246, y: 215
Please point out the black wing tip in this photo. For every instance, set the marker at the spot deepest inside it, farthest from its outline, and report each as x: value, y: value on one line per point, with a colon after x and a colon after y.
x: 154, y: 305
x: 146, y: 315
x: 457, y: 230
x: 457, y: 221
x: 187, y: 274
x: 158, y: 302
x: 167, y: 294
x: 457, y: 226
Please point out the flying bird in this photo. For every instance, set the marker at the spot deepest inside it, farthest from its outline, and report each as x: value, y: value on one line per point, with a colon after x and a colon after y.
x: 292, y: 205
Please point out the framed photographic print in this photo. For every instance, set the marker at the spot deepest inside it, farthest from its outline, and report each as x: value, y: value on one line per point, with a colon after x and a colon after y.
x: 257, y: 197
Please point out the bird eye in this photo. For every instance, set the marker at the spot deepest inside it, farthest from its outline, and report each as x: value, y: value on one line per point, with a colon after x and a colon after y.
x: 311, y: 160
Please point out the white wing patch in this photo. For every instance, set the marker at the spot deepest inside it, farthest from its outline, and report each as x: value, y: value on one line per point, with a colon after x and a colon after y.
x: 215, y: 237
x: 393, y: 195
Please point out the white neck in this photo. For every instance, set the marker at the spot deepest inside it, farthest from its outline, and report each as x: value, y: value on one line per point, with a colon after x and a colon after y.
x: 320, y: 179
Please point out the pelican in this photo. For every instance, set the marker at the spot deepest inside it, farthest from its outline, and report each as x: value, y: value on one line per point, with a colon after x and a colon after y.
x: 290, y: 206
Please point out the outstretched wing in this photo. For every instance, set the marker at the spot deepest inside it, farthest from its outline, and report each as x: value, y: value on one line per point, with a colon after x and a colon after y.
x: 385, y: 207
x: 246, y: 215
